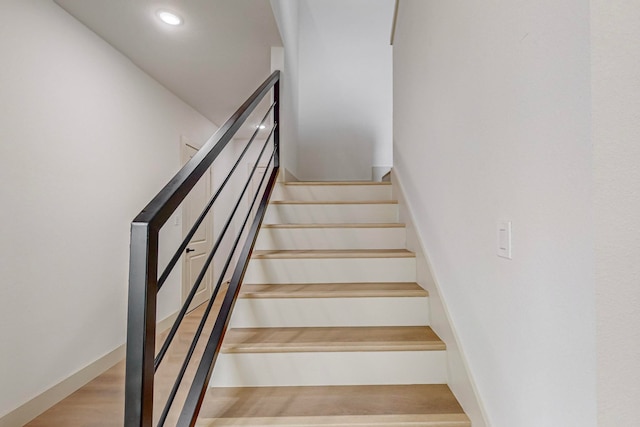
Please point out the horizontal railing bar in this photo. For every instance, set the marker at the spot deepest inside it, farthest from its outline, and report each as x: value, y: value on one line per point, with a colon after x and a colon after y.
x: 158, y: 211
x: 196, y: 337
x: 207, y: 362
x: 185, y: 242
x: 203, y: 271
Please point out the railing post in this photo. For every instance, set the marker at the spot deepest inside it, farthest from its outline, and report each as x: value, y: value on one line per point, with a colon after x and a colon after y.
x: 276, y: 123
x: 141, y: 326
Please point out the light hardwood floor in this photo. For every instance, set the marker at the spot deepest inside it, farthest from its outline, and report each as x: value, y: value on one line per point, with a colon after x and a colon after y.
x: 332, y: 290
x: 334, y: 253
x: 380, y: 405
x: 382, y: 338
x: 334, y: 202
x: 345, y: 183
x: 100, y: 403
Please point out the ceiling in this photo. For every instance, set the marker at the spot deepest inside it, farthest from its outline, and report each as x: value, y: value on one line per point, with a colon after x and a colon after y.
x: 213, y: 61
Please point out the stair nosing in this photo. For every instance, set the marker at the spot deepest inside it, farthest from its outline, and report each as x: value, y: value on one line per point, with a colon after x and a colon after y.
x: 433, y: 343
x: 344, y: 183
x: 344, y: 292
x: 333, y: 348
x: 332, y: 254
x: 337, y: 225
x: 424, y: 420
x: 333, y: 202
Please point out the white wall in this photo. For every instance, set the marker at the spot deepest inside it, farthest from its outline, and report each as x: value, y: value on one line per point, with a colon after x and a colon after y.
x: 492, y: 122
x: 458, y: 375
x: 286, y: 15
x: 345, y: 88
x: 616, y: 135
x: 337, y: 89
x: 86, y: 139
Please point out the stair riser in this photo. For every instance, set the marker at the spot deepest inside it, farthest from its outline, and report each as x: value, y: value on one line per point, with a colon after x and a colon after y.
x: 329, y: 368
x: 331, y: 213
x: 331, y: 238
x: 331, y: 270
x: 331, y: 192
x: 330, y: 312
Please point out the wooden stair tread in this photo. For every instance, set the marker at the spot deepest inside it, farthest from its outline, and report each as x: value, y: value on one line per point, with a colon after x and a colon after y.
x: 333, y: 202
x: 380, y: 405
x: 319, y: 339
x: 337, y: 183
x: 338, y: 225
x: 419, y: 420
x: 332, y: 290
x: 333, y: 253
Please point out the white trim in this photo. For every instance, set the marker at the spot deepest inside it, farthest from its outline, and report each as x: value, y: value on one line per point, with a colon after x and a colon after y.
x: 461, y: 380
x: 287, y: 176
x: 39, y: 404
x: 394, y: 22
x: 47, y: 399
x: 185, y: 283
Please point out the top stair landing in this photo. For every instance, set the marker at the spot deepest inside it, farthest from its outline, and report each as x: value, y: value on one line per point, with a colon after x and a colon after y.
x: 356, y: 191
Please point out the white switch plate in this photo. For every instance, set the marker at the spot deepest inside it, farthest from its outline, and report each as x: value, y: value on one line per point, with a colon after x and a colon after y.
x: 504, y: 239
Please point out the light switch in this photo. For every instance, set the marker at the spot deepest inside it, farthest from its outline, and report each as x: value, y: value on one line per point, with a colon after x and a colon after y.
x: 504, y: 239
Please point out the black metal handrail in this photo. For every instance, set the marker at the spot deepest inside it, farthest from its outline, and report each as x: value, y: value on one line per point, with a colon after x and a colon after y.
x: 144, y: 282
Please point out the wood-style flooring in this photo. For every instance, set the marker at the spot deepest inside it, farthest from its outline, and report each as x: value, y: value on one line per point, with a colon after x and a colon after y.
x: 377, y: 338
x: 100, y: 403
x: 332, y: 290
x: 335, y: 406
x: 334, y: 253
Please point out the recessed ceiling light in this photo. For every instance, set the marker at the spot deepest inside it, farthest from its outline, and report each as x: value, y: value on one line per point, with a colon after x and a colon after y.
x: 261, y: 127
x: 169, y: 17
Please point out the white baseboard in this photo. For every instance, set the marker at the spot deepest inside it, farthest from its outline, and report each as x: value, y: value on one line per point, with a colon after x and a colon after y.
x: 460, y: 378
x: 287, y: 176
x: 36, y: 406
x: 378, y: 172
x: 45, y: 400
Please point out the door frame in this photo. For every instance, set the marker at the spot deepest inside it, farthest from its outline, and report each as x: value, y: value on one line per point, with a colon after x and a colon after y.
x: 184, y: 282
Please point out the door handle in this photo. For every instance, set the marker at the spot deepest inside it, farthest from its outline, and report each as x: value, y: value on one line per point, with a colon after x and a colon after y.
x: 190, y: 250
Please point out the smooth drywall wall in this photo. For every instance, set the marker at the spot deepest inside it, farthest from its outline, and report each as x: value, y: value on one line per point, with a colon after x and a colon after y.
x: 286, y: 15
x: 458, y: 378
x: 345, y: 88
x: 492, y: 123
x: 86, y: 139
x: 615, y: 70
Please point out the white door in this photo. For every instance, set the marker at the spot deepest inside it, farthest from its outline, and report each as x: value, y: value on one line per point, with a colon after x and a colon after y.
x: 202, y: 241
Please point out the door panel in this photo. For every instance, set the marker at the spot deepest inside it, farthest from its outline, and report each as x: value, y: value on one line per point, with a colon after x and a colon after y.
x: 202, y: 241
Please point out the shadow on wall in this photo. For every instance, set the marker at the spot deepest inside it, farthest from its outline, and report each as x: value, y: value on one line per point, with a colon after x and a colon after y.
x: 343, y: 154
x: 345, y: 89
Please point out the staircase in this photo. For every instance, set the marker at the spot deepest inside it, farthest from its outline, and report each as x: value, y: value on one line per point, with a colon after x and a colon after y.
x: 330, y: 327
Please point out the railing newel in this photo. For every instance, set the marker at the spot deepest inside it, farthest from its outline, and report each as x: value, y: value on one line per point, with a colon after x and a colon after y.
x: 276, y: 123
x: 141, y: 325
